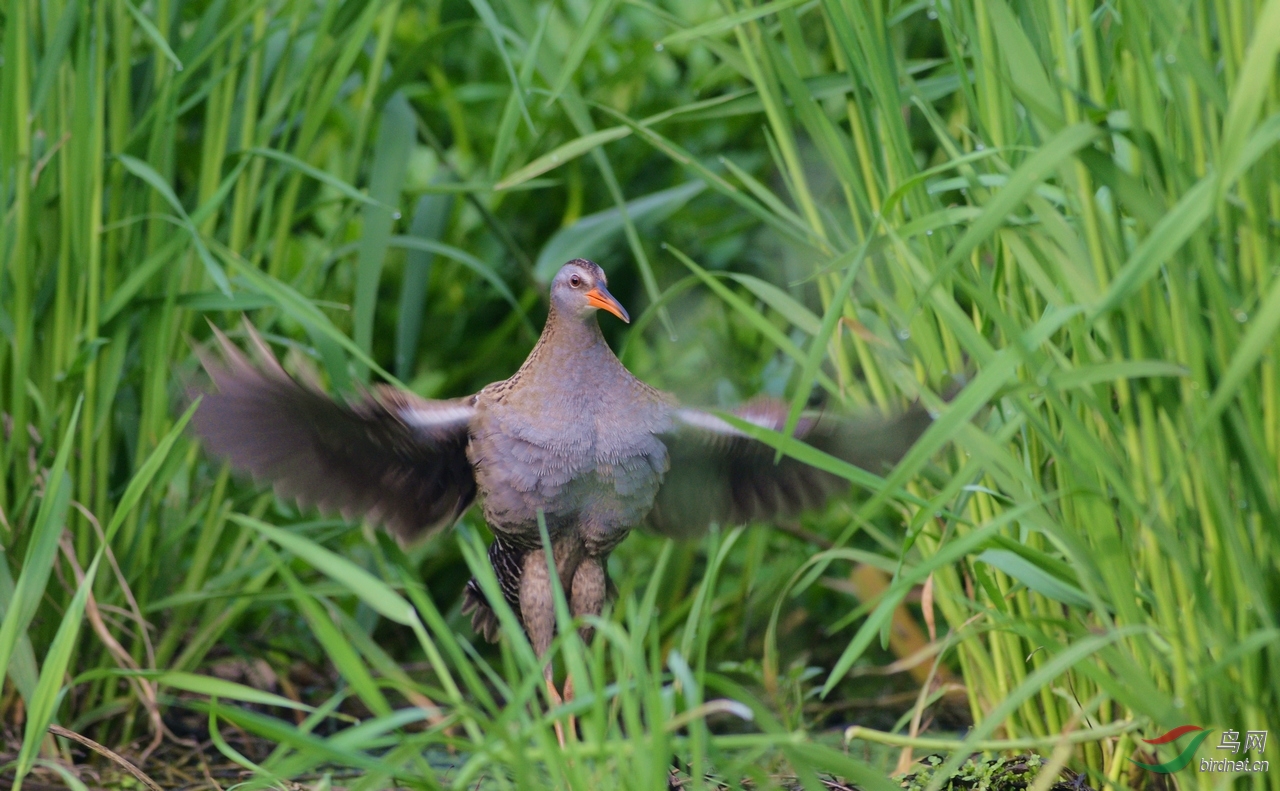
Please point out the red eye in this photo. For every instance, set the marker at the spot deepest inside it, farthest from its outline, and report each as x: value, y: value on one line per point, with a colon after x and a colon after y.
x: 575, y: 281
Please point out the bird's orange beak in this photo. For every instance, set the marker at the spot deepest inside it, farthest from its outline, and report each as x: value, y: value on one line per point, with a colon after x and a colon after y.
x: 599, y: 297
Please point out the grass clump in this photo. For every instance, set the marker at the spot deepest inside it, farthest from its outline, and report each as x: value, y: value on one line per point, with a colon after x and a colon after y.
x: 998, y: 774
x: 1072, y: 204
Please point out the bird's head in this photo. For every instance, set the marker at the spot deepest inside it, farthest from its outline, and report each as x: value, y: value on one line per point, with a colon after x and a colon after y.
x: 579, y: 289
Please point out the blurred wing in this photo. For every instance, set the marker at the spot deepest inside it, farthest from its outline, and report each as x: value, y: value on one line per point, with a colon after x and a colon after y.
x: 719, y: 474
x: 392, y: 457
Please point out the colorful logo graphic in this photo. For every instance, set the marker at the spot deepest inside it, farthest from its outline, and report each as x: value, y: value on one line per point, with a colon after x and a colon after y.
x: 1184, y: 757
x: 1255, y: 742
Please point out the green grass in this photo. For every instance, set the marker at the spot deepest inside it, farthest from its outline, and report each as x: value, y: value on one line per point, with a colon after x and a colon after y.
x: 1073, y: 204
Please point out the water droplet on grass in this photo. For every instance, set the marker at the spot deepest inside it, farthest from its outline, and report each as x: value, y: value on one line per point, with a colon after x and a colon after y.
x: 657, y: 46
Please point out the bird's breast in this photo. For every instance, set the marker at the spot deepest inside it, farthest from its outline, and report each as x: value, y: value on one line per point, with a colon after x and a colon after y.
x: 591, y: 462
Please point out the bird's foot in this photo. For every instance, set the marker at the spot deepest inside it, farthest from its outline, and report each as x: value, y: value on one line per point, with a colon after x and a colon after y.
x: 568, y: 698
x: 553, y: 695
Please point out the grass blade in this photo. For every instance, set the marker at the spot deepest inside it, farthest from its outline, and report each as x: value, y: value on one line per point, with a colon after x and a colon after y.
x: 592, y: 235
x: 221, y: 688
x: 147, y: 471
x: 395, y: 139
x: 368, y: 588
x: 585, y: 37
x: 45, y: 700
x: 429, y: 220
x: 42, y: 546
x: 730, y: 21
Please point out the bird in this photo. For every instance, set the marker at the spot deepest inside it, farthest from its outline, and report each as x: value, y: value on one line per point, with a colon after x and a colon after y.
x: 572, y: 438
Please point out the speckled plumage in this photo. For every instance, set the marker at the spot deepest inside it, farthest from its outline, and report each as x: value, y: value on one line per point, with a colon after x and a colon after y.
x: 572, y: 434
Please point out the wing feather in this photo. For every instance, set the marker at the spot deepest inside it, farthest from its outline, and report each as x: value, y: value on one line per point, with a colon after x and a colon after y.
x: 720, y: 474
x: 390, y: 457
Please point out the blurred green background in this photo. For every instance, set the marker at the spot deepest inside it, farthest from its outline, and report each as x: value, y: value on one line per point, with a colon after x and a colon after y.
x: 1072, y: 205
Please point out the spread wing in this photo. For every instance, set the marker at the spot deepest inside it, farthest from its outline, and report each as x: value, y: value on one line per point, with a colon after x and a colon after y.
x: 391, y: 457
x: 719, y: 474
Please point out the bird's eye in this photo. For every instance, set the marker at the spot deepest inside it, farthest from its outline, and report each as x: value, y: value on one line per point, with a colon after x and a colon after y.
x: 575, y: 281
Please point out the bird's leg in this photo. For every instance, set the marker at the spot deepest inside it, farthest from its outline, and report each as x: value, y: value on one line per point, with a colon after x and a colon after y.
x: 554, y: 696
x: 538, y: 612
x: 568, y: 698
x: 586, y: 597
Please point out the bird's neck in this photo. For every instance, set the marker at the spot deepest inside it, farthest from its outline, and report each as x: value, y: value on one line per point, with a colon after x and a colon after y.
x: 569, y: 343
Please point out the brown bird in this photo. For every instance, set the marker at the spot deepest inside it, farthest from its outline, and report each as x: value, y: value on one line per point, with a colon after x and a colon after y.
x: 573, y: 435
